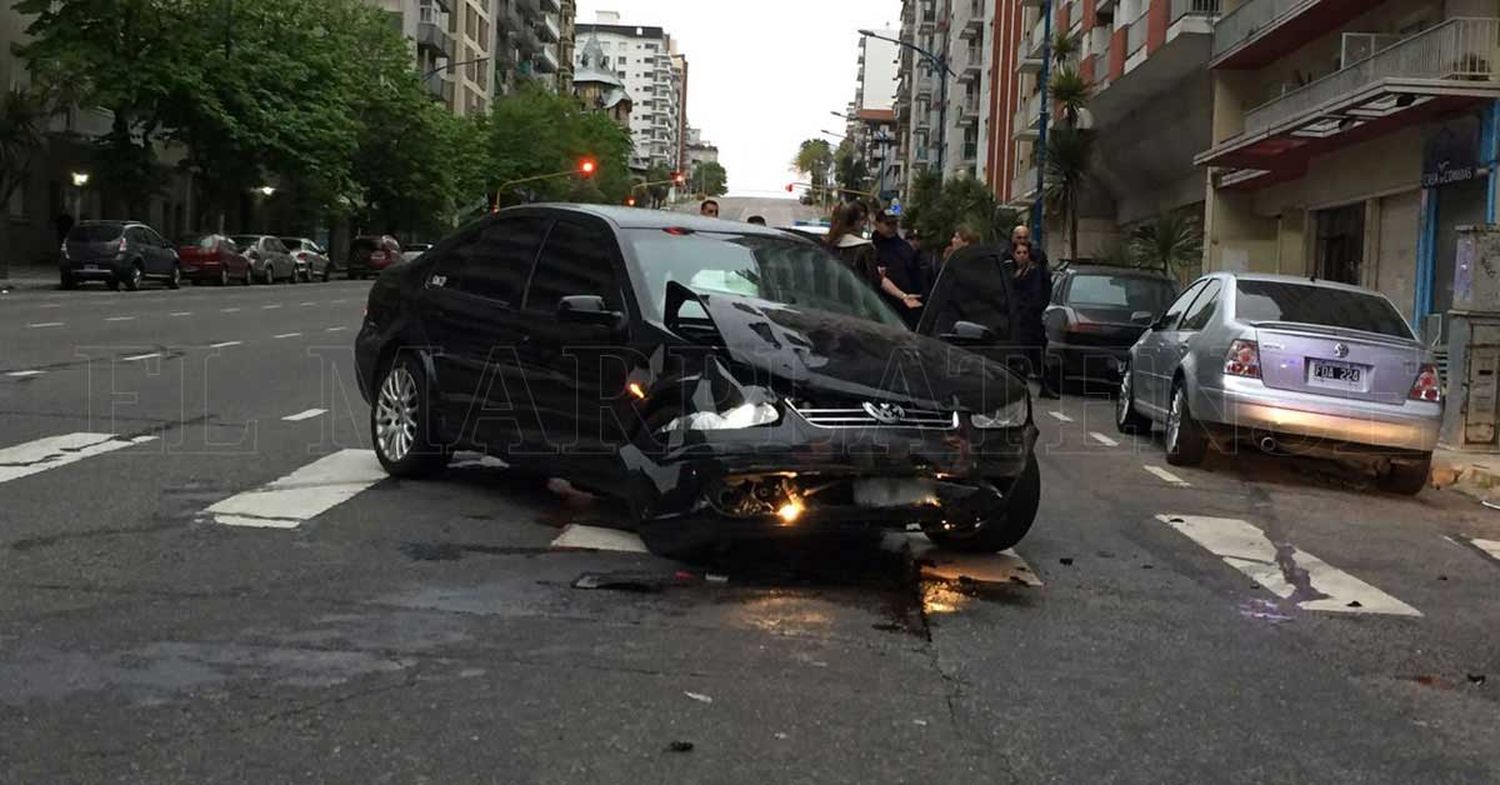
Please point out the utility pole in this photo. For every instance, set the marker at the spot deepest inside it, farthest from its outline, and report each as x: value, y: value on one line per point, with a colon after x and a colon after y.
x: 1038, y: 220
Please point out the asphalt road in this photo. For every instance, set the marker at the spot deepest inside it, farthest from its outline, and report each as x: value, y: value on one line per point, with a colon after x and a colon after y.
x: 166, y: 617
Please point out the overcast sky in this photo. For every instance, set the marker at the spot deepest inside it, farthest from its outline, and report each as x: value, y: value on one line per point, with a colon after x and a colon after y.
x: 762, y: 75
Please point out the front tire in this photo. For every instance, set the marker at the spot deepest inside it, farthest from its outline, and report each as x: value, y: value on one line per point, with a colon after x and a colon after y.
x: 175, y: 282
x: 1127, y: 419
x: 133, y: 278
x: 1407, y: 478
x: 1187, y: 444
x: 401, y: 421
x: 223, y: 276
x: 1007, y: 525
x: 269, y: 276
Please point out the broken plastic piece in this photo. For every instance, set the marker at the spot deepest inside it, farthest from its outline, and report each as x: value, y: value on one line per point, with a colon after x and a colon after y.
x: 700, y: 697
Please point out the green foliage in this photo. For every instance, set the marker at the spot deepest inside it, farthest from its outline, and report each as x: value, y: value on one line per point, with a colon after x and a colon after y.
x: 23, y: 115
x: 814, y: 160
x: 710, y: 179
x: 1173, y: 244
x: 1069, y: 155
x: 1064, y: 48
x: 534, y: 133
x: 937, y: 208
x: 850, y: 170
x: 1071, y: 92
x: 658, y: 176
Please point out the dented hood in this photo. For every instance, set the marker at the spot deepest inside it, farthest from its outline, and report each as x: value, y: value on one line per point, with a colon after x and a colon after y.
x: 814, y: 352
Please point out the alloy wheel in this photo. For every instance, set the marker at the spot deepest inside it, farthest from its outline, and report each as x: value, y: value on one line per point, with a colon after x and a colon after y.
x: 1122, y: 401
x: 1174, y: 421
x: 396, y: 414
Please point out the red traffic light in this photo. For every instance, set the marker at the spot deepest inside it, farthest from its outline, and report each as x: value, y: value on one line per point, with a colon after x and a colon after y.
x: 789, y: 187
x: 630, y: 201
x: 586, y: 166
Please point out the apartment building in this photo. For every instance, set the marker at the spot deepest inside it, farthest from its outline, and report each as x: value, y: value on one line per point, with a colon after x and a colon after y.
x: 567, y: 17
x: 1151, y: 110
x: 531, y: 36
x: 655, y: 75
x: 1350, y: 139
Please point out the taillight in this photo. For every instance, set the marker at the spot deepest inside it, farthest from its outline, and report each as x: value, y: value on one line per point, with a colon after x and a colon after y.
x: 122, y: 247
x: 1427, y: 387
x: 1243, y: 359
x: 1078, y: 324
x: 377, y: 256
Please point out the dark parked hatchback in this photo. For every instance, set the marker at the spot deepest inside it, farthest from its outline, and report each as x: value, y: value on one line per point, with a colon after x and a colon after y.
x: 1096, y: 315
x: 369, y: 254
x: 715, y: 379
x: 119, y: 253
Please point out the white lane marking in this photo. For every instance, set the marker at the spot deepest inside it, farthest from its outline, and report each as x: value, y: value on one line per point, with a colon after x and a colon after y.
x: 1005, y: 567
x: 22, y: 460
x: 1491, y: 547
x: 337, y: 302
x: 229, y: 310
x: 1247, y: 549
x: 181, y: 313
x: 598, y: 538
x: 287, y: 335
x: 306, y: 493
x: 44, y: 325
x: 1167, y: 477
x: 23, y: 374
x: 335, y: 329
x: 1102, y: 439
x: 305, y: 415
x: 224, y: 344
x: 134, y: 357
x: 305, y: 305
x: 50, y: 305
x: 119, y: 318
x: 1060, y: 417
x: 271, y: 307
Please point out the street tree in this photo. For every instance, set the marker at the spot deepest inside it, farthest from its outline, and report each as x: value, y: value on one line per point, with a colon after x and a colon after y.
x: 23, y: 117
x: 814, y: 160
x: 1171, y: 244
x: 658, y: 177
x: 937, y: 208
x: 710, y: 179
x: 1069, y: 154
x: 850, y: 170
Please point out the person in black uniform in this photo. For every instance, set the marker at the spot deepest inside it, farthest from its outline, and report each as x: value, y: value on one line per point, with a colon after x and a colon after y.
x: 1033, y: 290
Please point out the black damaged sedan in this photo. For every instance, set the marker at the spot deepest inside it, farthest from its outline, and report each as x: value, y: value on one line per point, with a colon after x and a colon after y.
x: 717, y: 380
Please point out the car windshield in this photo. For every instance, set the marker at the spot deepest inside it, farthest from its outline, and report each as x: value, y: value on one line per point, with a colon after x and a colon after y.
x: 773, y: 269
x: 291, y: 242
x: 95, y: 233
x: 1135, y: 292
x: 1284, y: 301
x: 245, y: 240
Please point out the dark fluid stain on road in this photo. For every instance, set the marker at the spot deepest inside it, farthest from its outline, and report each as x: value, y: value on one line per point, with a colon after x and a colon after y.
x: 453, y: 551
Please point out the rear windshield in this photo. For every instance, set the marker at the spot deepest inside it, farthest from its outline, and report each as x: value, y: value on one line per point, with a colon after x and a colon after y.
x: 364, y: 244
x: 1280, y: 301
x: 95, y: 233
x: 1134, y: 292
x: 245, y: 240
x: 291, y: 242
x: 207, y: 241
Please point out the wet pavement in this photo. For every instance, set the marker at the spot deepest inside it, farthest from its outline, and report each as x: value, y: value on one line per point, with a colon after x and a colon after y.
x: 1257, y: 620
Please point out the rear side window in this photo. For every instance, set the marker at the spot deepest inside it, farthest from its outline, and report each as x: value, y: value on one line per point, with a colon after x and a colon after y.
x: 136, y: 234
x: 1282, y: 301
x: 1204, y: 308
x: 494, y: 263
x: 576, y: 260
x: 94, y: 233
x: 1174, y: 311
x: 1135, y: 292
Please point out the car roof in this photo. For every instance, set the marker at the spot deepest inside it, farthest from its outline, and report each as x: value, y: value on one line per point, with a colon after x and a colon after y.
x: 1110, y: 269
x: 1295, y: 279
x: 640, y: 218
x: 108, y: 222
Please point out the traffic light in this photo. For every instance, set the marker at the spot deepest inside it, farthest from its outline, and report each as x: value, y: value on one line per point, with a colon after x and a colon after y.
x: 630, y: 201
x: 586, y: 167
x: 789, y: 187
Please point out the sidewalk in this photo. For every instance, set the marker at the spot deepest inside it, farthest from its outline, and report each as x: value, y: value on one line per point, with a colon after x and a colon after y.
x: 1475, y: 474
x: 30, y: 277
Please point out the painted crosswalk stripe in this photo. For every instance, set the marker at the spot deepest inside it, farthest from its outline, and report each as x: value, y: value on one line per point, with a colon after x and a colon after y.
x: 119, y: 318
x: 287, y: 335
x: 304, y: 494
x: 306, y: 415
x: 45, y: 325
x: 1060, y: 417
x: 224, y: 344
x: 134, y: 357
x: 23, y: 460
x: 1102, y: 439
x: 1167, y: 477
x: 598, y: 538
x: 1247, y: 549
x: 1491, y: 547
x: 23, y: 374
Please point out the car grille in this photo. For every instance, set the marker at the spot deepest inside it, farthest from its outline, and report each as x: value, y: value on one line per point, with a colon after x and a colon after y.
x: 909, y: 418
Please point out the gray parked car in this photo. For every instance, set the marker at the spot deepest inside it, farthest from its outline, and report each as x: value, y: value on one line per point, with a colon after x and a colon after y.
x: 312, y: 259
x: 269, y: 259
x: 1290, y: 365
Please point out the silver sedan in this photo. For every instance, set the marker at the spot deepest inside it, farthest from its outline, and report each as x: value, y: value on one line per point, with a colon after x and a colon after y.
x: 1290, y: 365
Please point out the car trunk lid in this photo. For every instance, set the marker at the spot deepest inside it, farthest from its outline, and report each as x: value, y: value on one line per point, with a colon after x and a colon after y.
x: 1337, y: 362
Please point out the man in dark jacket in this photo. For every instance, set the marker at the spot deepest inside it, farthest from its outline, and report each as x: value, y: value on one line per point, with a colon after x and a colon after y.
x: 903, y: 265
x: 1033, y: 287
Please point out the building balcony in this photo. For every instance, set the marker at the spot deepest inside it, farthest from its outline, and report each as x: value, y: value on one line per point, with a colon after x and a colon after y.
x: 545, y: 61
x: 1033, y: 40
x: 439, y: 89
x: 1023, y: 187
x: 434, y: 39
x: 1031, y: 3
x: 973, y: 29
x: 547, y: 31
x: 1149, y: 74
x: 1028, y: 121
x: 1440, y: 70
x: 973, y: 66
x: 529, y: 8
x: 966, y: 111
x: 1260, y: 32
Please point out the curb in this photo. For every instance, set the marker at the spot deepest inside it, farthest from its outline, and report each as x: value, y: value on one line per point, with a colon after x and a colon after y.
x: 1471, y: 474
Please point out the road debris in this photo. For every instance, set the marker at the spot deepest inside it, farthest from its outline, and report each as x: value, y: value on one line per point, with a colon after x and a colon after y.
x: 700, y: 697
x: 680, y: 746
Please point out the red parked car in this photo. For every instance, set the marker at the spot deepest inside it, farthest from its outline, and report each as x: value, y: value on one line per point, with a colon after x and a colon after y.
x: 212, y: 258
x: 370, y: 254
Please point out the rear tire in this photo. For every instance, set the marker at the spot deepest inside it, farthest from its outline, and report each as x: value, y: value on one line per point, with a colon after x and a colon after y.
x: 133, y: 278
x: 1127, y: 419
x: 175, y: 282
x: 269, y: 277
x: 1407, y: 478
x: 1187, y: 444
x: 223, y: 276
x: 1008, y: 525
x: 401, y: 422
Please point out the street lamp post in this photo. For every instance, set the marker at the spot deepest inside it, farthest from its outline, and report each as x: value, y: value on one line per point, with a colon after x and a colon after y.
x: 1038, y: 220
x: 80, y: 179
x: 941, y: 63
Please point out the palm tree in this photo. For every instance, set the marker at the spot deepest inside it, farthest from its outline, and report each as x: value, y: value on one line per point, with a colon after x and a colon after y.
x: 1171, y: 244
x: 1064, y: 48
x: 815, y: 159
x: 1070, y: 92
x: 1069, y: 151
x: 23, y: 117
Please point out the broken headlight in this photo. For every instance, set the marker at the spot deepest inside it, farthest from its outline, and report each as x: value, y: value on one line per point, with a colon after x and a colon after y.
x: 1011, y: 415
x: 747, y: 415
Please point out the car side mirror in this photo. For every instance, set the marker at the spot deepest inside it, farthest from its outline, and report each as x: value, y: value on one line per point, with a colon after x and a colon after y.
x: 1143, y: 317
x: 588, y: 309
x: 964, y: 333
x: 1160, y: 323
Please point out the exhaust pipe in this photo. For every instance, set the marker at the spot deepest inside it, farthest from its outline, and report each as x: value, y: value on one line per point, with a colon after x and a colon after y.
x: 1267, y: 444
